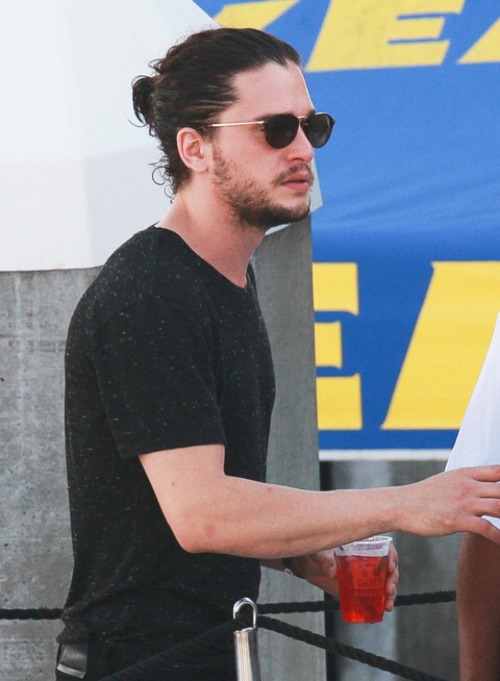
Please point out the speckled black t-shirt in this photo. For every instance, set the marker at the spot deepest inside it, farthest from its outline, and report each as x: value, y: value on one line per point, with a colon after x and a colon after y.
x: 163, y: 352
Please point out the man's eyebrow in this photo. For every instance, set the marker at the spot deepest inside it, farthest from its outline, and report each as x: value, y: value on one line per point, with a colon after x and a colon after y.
x: 279, y: 113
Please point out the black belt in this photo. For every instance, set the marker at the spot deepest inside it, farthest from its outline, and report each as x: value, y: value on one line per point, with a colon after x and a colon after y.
x: 72, y: 659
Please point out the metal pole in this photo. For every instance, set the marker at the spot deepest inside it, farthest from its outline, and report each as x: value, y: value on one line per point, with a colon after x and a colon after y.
x: 246, y: 648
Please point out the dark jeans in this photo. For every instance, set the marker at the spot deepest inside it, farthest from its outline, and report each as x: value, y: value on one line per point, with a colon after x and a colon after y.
x: 108, y: 657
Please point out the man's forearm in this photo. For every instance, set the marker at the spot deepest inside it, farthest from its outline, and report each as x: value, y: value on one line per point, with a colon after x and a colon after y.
x: 478, y: 604
x: 211, y: 512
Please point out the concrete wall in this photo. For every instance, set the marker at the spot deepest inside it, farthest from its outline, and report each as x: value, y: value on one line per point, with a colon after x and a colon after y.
x: 283, y: 269
x: 35, y: 558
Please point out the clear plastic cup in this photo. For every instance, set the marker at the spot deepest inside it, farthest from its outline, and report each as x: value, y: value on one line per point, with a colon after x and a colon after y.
x: 362, y: 574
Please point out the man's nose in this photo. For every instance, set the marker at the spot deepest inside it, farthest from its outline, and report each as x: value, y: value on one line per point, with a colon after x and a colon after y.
x: 301, y: 147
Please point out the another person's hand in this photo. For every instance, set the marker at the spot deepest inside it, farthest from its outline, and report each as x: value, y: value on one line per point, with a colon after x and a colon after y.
x: 320, y: 570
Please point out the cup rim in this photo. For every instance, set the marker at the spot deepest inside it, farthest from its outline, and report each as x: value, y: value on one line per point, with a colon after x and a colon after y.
x: 370, y: 543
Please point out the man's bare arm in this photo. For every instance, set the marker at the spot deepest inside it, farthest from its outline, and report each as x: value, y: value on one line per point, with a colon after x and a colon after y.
x: 211, y: 512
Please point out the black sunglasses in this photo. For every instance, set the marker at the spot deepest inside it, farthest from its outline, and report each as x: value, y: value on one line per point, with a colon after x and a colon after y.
x: 280, y: 130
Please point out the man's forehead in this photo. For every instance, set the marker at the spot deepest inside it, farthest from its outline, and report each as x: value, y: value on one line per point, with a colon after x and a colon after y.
x: 272, y: 87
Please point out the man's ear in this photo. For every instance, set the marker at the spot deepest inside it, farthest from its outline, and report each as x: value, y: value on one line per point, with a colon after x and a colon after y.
x: 192, y: 149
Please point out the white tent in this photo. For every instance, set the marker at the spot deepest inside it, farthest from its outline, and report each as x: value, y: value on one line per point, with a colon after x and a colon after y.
x: 75, y: 179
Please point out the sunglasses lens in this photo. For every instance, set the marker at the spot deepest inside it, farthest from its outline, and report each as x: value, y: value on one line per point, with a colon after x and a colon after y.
x: 281, y: 130
x: 318, y: 129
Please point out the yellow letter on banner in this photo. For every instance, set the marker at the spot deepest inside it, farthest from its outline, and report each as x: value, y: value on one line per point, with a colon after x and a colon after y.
x: 335, y: 288
x: 358, y: 34
x: 448, y: 347
x: 253, y: 14
x: 339, y: 403
x: 487, y: 49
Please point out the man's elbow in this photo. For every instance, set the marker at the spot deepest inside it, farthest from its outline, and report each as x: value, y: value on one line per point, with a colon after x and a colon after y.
x: 190, y: 543
x: 193, y: 537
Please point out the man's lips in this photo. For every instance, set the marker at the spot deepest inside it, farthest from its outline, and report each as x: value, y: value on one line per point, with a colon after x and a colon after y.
x: 302, y: 180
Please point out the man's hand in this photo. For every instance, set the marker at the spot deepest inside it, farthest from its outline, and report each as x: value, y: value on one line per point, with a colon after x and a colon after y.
x: 320, y: 570
x: 453, y: 501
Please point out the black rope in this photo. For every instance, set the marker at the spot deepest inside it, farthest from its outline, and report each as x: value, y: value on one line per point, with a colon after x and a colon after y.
x: 333, y: 604
x: 30, y: 613
x: 332, y: 646
x: 266, y: 608
x: 422, y: 599
x: 148, y: 670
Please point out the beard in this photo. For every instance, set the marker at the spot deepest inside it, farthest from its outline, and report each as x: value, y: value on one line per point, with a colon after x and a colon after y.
x: 249, y: 202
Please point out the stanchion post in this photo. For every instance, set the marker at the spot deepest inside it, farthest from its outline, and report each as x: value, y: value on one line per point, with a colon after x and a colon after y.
x: 246, y: 646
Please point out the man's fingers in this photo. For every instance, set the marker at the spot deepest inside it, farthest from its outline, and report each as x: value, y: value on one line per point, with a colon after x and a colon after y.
x: 392, y: 580
x: 483, y: 473
x: 490, y: 490
x: 485, y: 529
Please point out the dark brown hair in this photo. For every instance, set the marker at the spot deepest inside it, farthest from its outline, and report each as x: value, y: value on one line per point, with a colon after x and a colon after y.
x: 192, y: 84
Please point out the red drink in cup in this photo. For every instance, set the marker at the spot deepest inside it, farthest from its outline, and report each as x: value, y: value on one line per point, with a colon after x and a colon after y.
x: 362, y: 574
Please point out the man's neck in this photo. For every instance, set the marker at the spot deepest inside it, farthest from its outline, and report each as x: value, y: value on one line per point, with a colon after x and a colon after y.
x: 211, y: 233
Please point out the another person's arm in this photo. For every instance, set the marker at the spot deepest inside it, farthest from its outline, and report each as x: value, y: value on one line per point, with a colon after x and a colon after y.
x: 478, y: 603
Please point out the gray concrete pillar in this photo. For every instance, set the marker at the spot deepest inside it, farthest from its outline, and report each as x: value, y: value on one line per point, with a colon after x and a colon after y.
x: 283, y: 269
x: 35, y: 557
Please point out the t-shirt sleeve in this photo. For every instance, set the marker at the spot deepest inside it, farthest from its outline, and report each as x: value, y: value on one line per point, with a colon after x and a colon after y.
x: 156, y: 373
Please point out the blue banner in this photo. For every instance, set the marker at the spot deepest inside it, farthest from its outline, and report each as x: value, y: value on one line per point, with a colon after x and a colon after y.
x: 407, y: 243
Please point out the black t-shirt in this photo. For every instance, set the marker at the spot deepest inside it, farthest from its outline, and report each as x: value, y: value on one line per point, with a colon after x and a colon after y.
x: 163, y: 352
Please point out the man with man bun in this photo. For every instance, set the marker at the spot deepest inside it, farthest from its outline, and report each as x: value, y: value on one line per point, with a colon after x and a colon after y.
x: 170, y: 385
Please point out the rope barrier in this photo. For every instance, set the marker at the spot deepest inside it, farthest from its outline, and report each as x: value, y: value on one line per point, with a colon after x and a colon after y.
x: 30, y: 613
x: 333, y: 604
x: 332, y: 646
x: 266, y: 608
x: 422, y: 599
x: 147, y: 670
